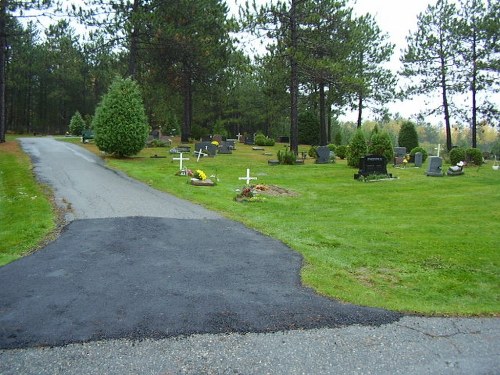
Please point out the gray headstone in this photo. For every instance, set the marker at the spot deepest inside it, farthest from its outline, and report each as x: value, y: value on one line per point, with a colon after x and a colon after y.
x: 435, y: 165
x: 231, y: 143
x: 399, y: 151
x: 249, y: 140
x: 323, y: 155
x: 418, y: 159
x: 206, y: 147
x: 224, y: 148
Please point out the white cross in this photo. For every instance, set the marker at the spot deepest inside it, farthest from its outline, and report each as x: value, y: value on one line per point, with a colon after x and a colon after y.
x: 238, y: 135
x: 247, y: 178
x: 439, y: 149
x: 181, y: 159
x: 199, y: 153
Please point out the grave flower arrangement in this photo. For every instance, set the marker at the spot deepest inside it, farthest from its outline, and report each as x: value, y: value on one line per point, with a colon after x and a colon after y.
x: 200, y: 175
x: 248, y: 194
x: 215, y: 143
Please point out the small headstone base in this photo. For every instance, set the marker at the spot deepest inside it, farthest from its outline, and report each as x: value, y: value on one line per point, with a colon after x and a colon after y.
x: 207, y: 182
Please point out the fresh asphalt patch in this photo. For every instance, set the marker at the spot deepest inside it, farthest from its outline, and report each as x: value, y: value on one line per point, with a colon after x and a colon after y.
x: 143, y: 277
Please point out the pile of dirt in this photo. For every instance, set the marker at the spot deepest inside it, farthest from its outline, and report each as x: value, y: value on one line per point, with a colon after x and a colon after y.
x: 273, y: 190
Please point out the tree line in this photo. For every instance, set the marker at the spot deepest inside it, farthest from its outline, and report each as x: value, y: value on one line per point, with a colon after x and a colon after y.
x: 321, y: 59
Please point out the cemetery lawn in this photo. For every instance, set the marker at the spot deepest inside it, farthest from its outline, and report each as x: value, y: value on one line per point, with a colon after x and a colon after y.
x: 26, y: 212
x: 418, y: 244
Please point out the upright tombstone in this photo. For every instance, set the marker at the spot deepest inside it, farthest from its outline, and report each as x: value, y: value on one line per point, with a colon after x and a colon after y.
x: 249, y: 140
x: 399, y: 155
x: 231, y: 143
x: 435, y: 167
x: 372, y: 165
x: 323, y: 155
x: 207, y: 147
x: 224, y: 148
x: 418, y: 159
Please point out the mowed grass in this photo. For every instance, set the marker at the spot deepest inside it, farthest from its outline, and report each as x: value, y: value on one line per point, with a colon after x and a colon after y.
x: 26, y: 214
x: 417, y: 244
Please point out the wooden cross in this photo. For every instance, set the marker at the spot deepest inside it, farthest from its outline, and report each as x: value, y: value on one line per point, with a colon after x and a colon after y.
x: 199, y: 153
x: 247, y: 178
x: 181, y: 159
x: 238, y: 135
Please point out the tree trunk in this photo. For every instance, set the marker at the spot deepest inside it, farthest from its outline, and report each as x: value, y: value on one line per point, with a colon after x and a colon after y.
x: 188, y: 107
x: 360, y: 110
x: 474, y: 87
x: 294, y: 81
x: 444, y: 91
x: 3, y: 42
x: 323, y: 133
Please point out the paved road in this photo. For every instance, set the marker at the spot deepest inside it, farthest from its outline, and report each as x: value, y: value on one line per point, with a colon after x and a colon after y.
x: 127, y: 289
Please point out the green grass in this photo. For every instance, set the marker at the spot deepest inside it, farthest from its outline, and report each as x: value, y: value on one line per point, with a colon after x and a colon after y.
x: 26, y: 213
x: 416, y: 244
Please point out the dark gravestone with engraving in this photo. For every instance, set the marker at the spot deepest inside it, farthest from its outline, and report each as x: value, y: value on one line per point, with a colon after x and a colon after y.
x: 372, y: 165
x: 249, y: 140
x: 435, y: 167
x: 323, y: 155
x: 418, y: 159
x: 224, y: 148
x: 231, y: 143
x: 207, y: 147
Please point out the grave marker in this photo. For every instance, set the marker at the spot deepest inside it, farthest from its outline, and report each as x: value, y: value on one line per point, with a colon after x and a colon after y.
x: 199, y: 153
x: 418, y: 159
x: 181, y: 159
x: 435, y: 165
x: 323, y: 155
x: 247, y: 178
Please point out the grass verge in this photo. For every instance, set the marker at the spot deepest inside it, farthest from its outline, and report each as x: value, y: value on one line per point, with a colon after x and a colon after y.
x: 26, y: 212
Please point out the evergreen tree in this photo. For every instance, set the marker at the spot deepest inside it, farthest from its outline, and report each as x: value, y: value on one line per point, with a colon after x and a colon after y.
x: 408, y: 136
x: 381, y: 144
x: 429, y: 58
x: 120, y: 123
x: 357, y: 149
x: 308, y: 128
x: 77, y: 124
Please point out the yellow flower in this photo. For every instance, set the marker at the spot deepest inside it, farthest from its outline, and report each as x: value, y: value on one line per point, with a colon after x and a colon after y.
x: 215, y: 143
x: 200, y: 175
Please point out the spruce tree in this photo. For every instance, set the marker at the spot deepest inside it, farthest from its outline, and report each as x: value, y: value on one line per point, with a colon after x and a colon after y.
x: 120, y: 122
x: 77, y: 124
x: 357, y: 149
x: 408, y: 136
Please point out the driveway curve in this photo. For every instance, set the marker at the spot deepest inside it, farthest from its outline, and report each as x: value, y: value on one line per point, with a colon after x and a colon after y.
x: 131, y: 265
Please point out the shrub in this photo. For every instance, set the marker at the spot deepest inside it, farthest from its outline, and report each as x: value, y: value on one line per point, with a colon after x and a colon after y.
x: 308, y: 129
x: 120, y: 122
x: 287, y: 157
x: 332, y: 147
x: 77, y: 124
x: 357, y: 149
x: 262, y: 140
x: 313, y: 152
x: 421, y: 150
x: 381, y: 144
x: 338, y: 138
x: 341, y: 152
x: 408, y: 136
x: 474, y: 155
x: 457, y: 154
